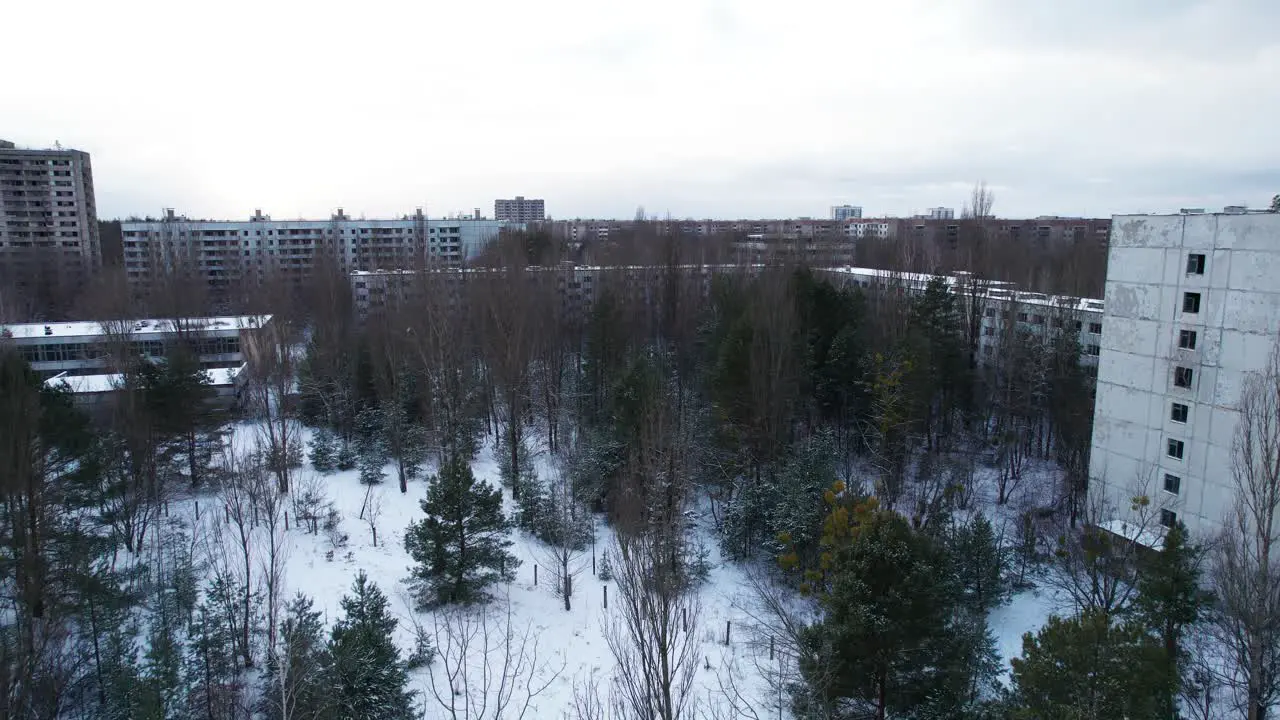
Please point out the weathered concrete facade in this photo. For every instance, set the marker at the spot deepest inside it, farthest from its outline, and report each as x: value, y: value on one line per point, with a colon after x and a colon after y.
x: 1192, y: 308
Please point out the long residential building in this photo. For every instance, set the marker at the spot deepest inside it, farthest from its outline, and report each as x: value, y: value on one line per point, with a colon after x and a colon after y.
x: 1192, y: 311
x: 70, y: 349
x: 1004, y: 308
x: 48, y: 217
x: 229, y: 251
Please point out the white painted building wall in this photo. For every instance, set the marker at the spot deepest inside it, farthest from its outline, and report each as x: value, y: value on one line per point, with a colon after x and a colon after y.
x: 1236, y: 327
x: 225, y: 249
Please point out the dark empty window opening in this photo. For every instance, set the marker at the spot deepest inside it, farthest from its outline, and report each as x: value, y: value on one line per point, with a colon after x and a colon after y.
x: 1172, y: 483
x: 1179, y: 413
x: 1195, y: 264
x: 1183, y: 377
x: 1191, y: 302
x: 1187, y: 339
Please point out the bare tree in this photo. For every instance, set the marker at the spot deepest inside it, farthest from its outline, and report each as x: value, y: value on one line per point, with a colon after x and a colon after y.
x: 1246, y: 565
x: 1096, y: 567
x: 508, y: 337
x: 651, y: 631
x: 776, y: 620
x: 232, y: 537
x: 270, y: 512
x: 488, y: 669
x: 587, y: 701
x: 569, y: 527
x: 372, y: 510
x: 273, y: 363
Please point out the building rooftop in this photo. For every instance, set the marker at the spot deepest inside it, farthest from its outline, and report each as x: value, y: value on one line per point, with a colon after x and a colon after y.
x: 996, y: 289
x: 139, y: 328
x: 109, y: 382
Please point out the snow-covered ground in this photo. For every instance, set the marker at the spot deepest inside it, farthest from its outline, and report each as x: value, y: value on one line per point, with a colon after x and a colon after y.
x: 571, y: 645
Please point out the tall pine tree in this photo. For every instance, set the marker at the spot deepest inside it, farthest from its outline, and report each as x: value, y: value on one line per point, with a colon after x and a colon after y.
x: 461, y: 547
x: 1089, y: 667
x: 1170, y: 600
x: 887, y: 644
x: 296, y: 682
x: 371, y: 446
x: 367, y: 677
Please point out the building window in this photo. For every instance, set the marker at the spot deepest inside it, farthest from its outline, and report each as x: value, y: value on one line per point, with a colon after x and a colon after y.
x: 1172, y: 483
x: 1037, y: 319
x: 1176, y: 449
x: 1182, y: 376
x: 1022, y: 317
x: 988, y: 331
x: 1195, y: 264
x: 1190, y: 302
x: 1095, y: 328
x: 1179, y: 413
x: 1168, y: 518
x: 1092, y: 350
x: 1187, y: 339
x: 991, y: 312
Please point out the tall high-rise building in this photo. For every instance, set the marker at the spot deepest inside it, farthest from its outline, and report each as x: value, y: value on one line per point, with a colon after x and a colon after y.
x: 942, y: 213
x: 521, y: 210
x: 48, y: 219
x: 840, y: 213
x: 1192, y: 303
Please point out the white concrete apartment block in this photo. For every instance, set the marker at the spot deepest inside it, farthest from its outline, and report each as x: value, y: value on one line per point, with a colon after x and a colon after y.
x: 1192, y: 308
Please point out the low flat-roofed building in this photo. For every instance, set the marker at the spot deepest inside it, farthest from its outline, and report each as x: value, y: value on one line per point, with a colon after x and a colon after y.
x: 85, y: 347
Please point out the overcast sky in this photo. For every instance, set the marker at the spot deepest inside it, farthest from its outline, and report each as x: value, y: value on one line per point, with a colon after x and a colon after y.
x: 696, y: 108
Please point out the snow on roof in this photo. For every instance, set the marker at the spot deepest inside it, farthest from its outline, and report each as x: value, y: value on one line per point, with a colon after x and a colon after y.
x: 224, y: 376
x: 109, y: 382
x: 547, y: 268
x: 995, y: 289
x: 139, y: 328
x: 83, y: 384
x: 1150, y: 537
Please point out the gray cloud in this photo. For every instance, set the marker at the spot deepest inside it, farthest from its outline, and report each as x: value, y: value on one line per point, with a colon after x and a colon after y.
x: 706, y: 108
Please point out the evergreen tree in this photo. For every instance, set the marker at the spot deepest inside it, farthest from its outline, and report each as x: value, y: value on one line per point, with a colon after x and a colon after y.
x: 405, y: 440
x: 979, y: 563
x: 502, y: 449
x: 209, y: 667
x: 120, y: 684
x: 162, y: 666
x: 54, y: 553
x: 367, y: 677
x: 886, y: 644
x: 371, y: 447
x: 178, y: 395
x: 1170, y: 600
x: 606, y: 567
x: 324, y: 453
x: 346, y: 456
x: 295, y: 684
x: 1088, y: 667
x: 533, y: 508
x: 788, y: 501
x: 461, y: 547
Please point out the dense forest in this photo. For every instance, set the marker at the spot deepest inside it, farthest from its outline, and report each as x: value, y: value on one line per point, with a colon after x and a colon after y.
x: 884, y: 482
